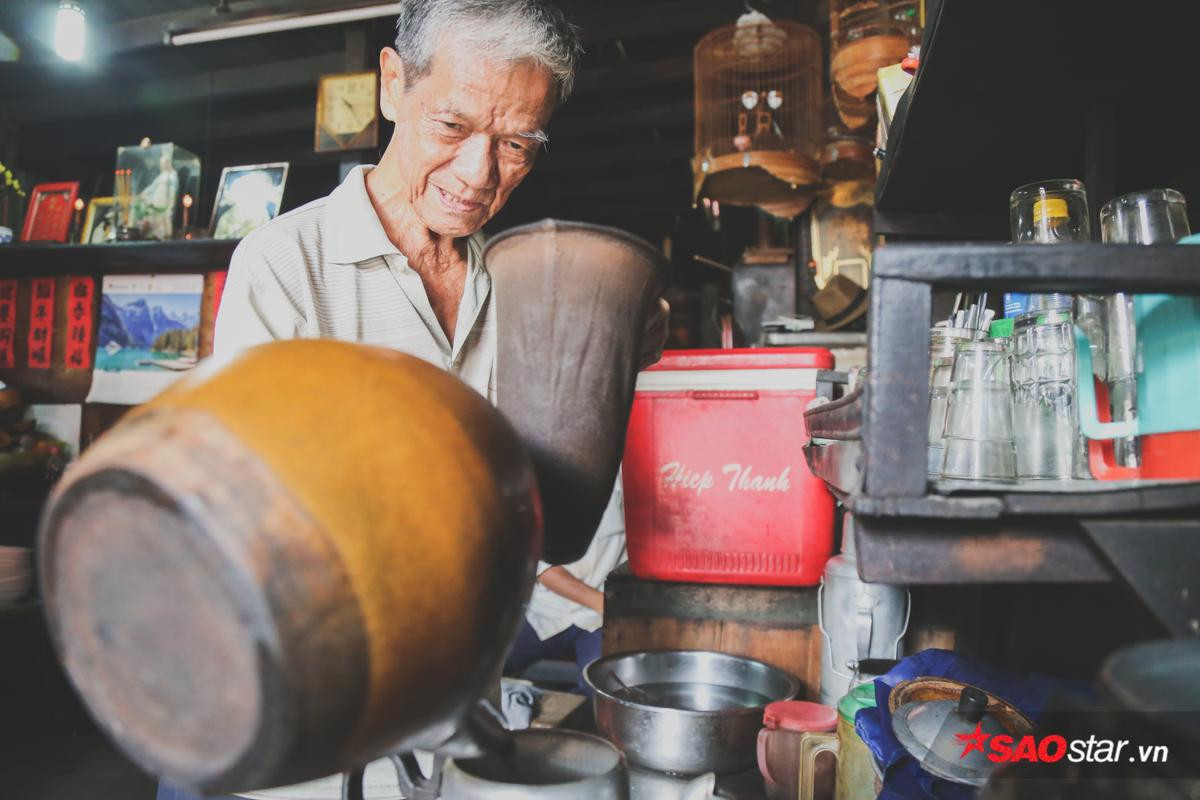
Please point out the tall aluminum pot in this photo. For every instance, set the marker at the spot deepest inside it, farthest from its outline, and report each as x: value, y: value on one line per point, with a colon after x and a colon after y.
x: 290, y: 564
x: 859, y: 621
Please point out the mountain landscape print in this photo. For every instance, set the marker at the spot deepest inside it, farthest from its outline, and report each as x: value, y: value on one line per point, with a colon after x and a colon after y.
x: 149, y: 335
x: 146, y: 331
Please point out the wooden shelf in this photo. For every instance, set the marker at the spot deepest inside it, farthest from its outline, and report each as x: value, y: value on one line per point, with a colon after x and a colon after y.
x: 182, y: 256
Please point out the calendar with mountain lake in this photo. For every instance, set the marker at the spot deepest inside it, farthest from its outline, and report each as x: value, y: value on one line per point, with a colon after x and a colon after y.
x: 149, y: 335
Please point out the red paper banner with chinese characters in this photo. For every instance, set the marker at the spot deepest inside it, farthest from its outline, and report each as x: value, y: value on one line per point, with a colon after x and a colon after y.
x: 41, y: 323
x: 79, y: 322
x: 8, y: 322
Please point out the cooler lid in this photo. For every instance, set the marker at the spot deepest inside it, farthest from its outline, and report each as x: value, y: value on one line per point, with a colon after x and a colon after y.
x: 799, y: 715
x: 746, y: 358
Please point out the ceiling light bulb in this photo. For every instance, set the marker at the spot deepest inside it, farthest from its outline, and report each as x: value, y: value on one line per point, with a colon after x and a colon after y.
x: 70, y: 31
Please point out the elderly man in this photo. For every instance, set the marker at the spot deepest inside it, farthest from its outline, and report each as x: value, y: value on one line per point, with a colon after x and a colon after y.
x: 393, y: 256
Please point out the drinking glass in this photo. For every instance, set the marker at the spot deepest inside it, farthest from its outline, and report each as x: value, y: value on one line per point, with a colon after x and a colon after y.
x: 1047, y: 212
x: 942, y: 343
x: 1045, y: 412
x: 1155, y: 216
x: 978, y: 441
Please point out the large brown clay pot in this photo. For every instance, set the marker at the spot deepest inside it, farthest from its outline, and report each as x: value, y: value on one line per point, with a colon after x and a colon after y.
x: 572, y: 301
x: 290, y: 564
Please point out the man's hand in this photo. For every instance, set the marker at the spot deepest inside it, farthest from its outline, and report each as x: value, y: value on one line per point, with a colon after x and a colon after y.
x: 656, y: 334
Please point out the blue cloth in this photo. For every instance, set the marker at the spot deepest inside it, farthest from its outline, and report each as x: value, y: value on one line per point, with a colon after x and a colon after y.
x: 573, y: 644
x: 904, y: 779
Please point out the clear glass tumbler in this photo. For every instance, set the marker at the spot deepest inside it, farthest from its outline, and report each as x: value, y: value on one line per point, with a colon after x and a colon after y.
x: 942, y: 343
x: 939, y: 397
x: 1155, y: 216
x: 1045, y: 411
x: 978, y: 440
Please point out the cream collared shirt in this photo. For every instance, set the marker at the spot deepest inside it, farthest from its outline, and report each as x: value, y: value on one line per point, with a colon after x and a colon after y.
x: 328, y: 270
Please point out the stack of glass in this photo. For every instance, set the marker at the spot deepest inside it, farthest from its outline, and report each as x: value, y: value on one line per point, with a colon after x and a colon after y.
x: 978, y: 437
x: 1045, y: 411
x: 942, y: 343
x: 1156, y: 216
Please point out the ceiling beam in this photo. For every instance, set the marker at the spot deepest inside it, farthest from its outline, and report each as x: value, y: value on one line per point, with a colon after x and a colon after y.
x: 596, y: 21
x: 635, y: 75
x: 671, y: 17
x: 620, y: 120
x: 150, y: 31
x: 100, y: 99
x: 623, y: 187
x: 581, y: 159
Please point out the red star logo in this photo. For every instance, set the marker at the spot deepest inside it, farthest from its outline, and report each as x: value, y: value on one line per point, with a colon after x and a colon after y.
x: 972, y: 741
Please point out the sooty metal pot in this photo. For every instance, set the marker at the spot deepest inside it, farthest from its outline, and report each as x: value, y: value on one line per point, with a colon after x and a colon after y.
x: 685, y: 711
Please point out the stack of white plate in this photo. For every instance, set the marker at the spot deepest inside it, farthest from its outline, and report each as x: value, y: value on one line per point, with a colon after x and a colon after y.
x: 16, y: 573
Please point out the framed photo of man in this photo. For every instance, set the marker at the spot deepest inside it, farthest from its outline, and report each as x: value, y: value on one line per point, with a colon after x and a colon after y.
x: 247, y: 198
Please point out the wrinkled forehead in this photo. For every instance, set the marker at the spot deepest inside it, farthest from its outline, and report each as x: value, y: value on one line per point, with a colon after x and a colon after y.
x: 465, y: 79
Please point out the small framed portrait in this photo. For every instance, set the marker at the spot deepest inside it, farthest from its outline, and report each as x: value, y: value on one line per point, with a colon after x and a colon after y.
x: 247, y: 198
x: 51, y: 206
x: 100, y: 224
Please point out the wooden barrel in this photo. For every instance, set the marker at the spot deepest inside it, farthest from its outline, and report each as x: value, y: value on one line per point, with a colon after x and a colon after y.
x: 290, y: 564
x: 572, y: 304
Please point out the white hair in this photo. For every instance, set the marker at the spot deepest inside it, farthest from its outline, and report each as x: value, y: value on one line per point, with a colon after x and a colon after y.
x: 507, y: 30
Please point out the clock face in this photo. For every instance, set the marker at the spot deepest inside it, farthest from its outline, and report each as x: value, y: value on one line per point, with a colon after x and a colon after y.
x: 346, y: 106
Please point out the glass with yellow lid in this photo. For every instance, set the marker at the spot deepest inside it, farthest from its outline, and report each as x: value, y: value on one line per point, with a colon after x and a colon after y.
x: 1046, y: 212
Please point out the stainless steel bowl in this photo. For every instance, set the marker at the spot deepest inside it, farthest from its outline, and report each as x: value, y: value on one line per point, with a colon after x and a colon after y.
x: 685, y: 711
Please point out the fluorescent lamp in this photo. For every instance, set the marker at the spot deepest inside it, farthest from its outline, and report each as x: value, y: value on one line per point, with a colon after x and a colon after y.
x: 276, y: 24
x: 70, y: 32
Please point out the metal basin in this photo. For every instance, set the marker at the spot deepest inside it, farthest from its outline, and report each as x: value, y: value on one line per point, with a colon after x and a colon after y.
x: 685, y: 711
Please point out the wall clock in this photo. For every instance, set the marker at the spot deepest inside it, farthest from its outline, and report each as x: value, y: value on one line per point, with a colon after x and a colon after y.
x: 347, y: 112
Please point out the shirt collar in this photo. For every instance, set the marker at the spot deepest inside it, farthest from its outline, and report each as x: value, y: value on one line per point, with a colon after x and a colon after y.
x: 354, y: 228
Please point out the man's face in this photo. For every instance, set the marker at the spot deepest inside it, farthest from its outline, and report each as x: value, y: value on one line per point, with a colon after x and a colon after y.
x: 461, y: 143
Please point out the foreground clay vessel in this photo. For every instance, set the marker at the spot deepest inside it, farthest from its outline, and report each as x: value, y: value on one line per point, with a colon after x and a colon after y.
x: 291, y: 563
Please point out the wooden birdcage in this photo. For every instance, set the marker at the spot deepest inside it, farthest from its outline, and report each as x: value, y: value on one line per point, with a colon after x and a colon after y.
x: 758, y: 115
x: 864, y: 36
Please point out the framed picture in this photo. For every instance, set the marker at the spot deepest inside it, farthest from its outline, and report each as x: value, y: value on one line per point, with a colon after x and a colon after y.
x: 100, y: 224
x: 247, y: 198
x: 49, y: 216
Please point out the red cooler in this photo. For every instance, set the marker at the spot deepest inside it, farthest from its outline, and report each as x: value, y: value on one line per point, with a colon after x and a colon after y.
x: 716, y: 486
